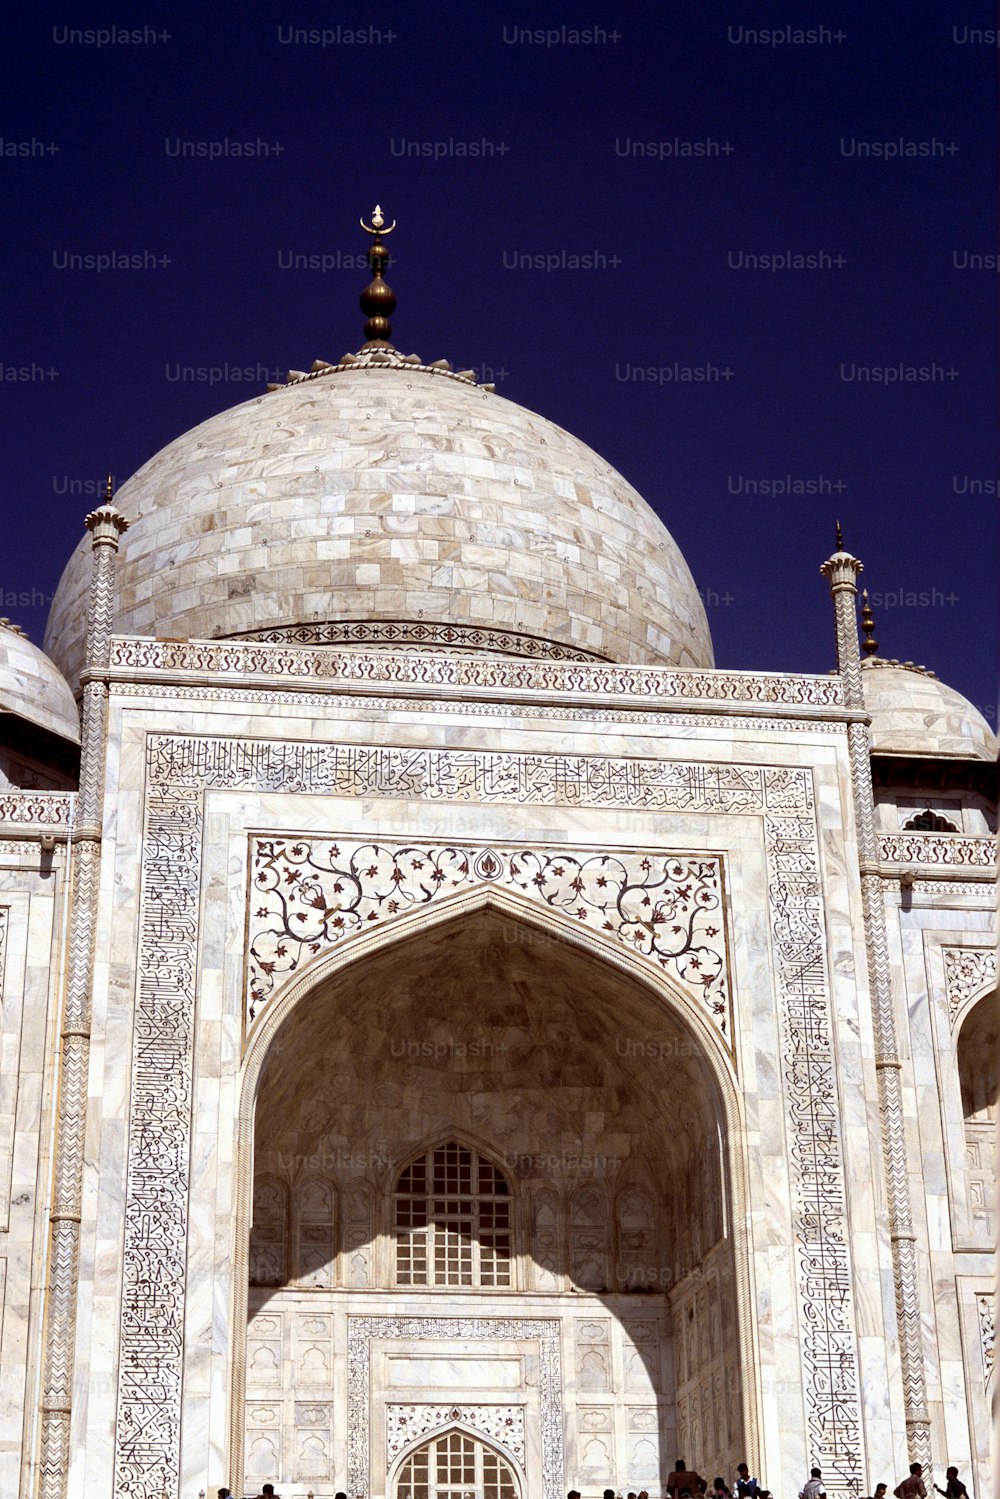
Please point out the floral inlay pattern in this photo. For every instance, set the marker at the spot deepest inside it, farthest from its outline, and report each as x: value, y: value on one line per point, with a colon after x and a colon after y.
x: 308, y: 894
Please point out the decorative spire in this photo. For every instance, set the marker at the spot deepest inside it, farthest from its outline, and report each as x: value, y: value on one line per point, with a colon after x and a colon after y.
x: 106, y: 523
x: 378, y: 302
x: 841, y: 570
x: 869, y: 645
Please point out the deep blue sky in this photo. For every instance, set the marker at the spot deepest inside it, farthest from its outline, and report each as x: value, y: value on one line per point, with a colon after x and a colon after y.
x: 563, y: 179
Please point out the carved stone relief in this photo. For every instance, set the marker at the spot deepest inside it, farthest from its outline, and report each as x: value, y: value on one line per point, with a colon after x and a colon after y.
x: 179, y: 770
x: 484, y: 672
x: 307, y: 894
x: 986, y: 1308
x: 501, y: 1424
x: 936, y: 848
x: 966, y: 971
x: 544, y: 1331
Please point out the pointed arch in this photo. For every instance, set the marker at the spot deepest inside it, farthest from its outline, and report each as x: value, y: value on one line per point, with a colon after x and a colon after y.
x: 648, y: 985
x: 427, y: 1440
x: 553, y: 922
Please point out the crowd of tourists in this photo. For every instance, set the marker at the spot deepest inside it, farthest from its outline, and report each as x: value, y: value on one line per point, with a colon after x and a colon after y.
x: 686, y: 1483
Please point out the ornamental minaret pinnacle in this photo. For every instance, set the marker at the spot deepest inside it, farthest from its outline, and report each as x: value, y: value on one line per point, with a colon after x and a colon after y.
x: 378, y: 301
x: 869, y: 645
x: 842, y: 571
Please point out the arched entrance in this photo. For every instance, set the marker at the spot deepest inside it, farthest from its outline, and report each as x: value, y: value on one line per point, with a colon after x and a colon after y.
x: 454, y: 1465
x: 493, y: 1173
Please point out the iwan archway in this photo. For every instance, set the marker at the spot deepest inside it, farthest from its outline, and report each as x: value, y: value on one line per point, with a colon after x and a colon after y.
x: 493, y: 1173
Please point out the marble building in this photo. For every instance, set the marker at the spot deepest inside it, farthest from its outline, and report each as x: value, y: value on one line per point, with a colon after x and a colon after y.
x: 456, y: 1039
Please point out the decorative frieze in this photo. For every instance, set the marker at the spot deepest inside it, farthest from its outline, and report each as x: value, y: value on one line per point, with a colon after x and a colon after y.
x: 308, y: 894
x: 180, y: 768
x: 501, y: 1424
x: 485, y: 672
x: 235, y: 691
x: 476, y: 776
x: 936, y: 848
x: 967, y: 970
x: 421, y: 635
x: 819, y: 1201
x: 45, y: 808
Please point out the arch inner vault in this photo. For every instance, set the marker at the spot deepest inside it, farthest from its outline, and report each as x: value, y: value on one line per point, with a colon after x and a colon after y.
x: 492, y: 1198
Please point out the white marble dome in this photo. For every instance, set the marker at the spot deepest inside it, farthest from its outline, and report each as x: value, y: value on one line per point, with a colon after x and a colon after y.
x: 392, y: 504
x: 915, y: 714
x: 33, y: 689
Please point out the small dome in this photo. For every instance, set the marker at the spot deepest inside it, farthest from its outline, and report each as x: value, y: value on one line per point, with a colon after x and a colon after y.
x: 391, y: 503
x: 32, y: 688
x: 915, y: 714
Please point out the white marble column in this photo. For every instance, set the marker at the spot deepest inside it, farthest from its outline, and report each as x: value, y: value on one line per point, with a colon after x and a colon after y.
x: 842, y: 572
x: 106, y: 526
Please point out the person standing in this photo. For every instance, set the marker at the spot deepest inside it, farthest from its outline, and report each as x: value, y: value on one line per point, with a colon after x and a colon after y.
x: 745, y: 1486
x: 912, y: 1487
x: 955, y: 1488
x: 683, y: 1478
x: 813, y: 1486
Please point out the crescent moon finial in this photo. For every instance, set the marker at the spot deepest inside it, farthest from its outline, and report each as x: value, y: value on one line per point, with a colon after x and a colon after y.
x: 378, y: 224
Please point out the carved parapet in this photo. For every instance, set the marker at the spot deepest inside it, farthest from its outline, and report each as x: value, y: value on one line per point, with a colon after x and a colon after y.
x: 948, y: 849
x: 29, y: 811
x: 228, y: 662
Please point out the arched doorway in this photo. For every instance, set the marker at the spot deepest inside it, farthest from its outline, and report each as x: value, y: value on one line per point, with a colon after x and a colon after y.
x: 455, y: 1465
x: 492, y: 1173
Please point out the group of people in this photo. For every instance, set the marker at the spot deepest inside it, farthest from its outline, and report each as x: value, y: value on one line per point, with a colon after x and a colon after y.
x: 911, y: 1487
x: 686, y: 1483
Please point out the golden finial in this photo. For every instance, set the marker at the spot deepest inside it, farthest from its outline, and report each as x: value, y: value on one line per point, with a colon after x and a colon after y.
x: 378, y: 223
x: 840, y: 538
x: 109, y: 489
x: 378, y: 302
x: 869, y: 645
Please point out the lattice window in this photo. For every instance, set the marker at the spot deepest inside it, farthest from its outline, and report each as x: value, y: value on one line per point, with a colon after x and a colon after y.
x: 456, y: 1466
x: 452, y: 1217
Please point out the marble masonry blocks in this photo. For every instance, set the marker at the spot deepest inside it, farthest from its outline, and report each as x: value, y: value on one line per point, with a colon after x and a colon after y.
x: 707, y: 1376
x: 539, y: 535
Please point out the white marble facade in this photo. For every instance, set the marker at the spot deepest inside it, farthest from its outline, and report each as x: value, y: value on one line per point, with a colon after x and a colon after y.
x: 594, y: 935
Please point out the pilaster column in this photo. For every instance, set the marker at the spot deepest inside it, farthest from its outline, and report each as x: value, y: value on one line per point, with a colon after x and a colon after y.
x: 106, y: 526
x: 842, y: 571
